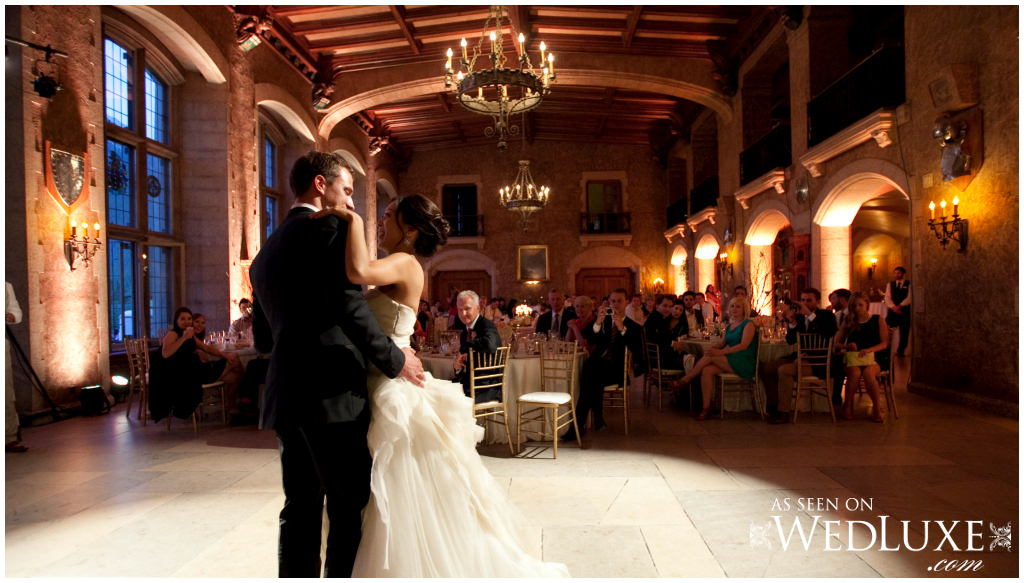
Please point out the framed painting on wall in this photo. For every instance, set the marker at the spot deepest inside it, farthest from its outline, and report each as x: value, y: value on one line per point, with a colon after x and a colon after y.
x: 532, y: 263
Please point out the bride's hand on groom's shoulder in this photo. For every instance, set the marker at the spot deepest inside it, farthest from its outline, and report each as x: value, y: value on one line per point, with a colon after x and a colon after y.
x: 342, y: 213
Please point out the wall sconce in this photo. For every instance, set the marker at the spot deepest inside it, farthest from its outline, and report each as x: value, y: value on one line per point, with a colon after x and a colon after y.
x: 871, y: 270
x: 949, y: 229
x: 724, y: 264
x: 658, y: 284
x: 83, y: 248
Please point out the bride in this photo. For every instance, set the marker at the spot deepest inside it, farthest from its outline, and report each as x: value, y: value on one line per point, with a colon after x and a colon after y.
x: 435, y: 510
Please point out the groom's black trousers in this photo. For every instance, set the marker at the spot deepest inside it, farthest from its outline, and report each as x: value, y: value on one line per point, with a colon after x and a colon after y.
x: 331, y: 460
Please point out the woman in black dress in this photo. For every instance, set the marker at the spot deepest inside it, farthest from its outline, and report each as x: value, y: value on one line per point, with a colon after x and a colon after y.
x: 865, y: 339
x: 177, y: 376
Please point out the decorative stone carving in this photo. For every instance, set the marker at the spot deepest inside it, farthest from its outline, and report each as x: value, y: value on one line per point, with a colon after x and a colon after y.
x: 679, y: 230
x: 707, y: 214
x: 774, y: 179
x: 876, y: 126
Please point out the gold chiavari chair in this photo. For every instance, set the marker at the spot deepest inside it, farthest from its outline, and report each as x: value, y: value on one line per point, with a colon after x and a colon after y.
x: 138, y: 368
x: 616, y: 396
x: 731, y: 383
x: 813, y: 350
x: 656, y: 378
x: 558, y: 369
x: 487, y: 370
x: 886, y: 379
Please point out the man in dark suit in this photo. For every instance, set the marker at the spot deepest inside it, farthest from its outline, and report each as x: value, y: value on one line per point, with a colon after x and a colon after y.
x: 657, y: 331
x: 559, y: 316
x: 779, y: 377
x: 897, y: 300
x: 481, y: 335
x: 693, y: 318
x: 612, y: 335
x: 320, y: 333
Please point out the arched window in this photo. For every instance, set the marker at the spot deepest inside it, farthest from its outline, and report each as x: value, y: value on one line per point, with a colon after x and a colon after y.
x: 144, y: 239
x: 270, y: 141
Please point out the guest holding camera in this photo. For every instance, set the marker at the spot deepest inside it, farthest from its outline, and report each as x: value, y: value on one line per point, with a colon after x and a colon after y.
x: 864, y: 336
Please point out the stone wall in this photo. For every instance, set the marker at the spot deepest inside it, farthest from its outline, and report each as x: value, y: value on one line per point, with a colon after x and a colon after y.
x: 560, y: 166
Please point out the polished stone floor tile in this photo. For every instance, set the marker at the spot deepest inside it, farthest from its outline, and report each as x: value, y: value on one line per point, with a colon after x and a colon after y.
x: 645, y: 501
x: 564, y: 501
x: 190, y: 482
x: 599, y: 551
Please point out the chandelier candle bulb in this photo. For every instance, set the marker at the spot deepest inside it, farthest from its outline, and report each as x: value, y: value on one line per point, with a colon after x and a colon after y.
x: 85, y: 229
x: 493, y: 38
x: 551, y: 64
x: 480, y: 92
x: 459, y: 76
x: 74, y: 228
x: 96, y: 227
x: 943, y: 205
x: 931, y: 207
x: 522, y: 39
x: 464, y: 54
x: 542, y: 47
x: 956, y: 204
x: 448, y: 65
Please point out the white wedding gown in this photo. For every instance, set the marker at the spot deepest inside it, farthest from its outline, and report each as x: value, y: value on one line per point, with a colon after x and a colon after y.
x: 435, y: 510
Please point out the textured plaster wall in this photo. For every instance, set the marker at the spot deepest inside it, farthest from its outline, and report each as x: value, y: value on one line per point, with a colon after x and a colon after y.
x: 560, y: 166
x: 66, y: 312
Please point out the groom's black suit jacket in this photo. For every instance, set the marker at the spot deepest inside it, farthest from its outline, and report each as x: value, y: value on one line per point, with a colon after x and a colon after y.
x: 316, y: 325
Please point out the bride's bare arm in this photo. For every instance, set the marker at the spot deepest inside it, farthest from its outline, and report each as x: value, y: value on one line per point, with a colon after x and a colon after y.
x: 358, y: 266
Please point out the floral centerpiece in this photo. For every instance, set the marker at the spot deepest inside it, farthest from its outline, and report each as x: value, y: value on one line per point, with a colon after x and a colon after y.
x: 524, y: 316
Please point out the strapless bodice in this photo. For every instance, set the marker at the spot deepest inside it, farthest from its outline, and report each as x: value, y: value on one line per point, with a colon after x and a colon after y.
x: 397, y: 320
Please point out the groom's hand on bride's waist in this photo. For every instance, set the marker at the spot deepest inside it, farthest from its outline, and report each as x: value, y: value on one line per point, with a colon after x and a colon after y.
x: 413, y: 369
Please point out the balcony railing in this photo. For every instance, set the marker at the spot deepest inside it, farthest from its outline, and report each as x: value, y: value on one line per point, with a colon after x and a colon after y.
x: 600, y: 223
x: 466, y: 225
x: 704, y: 195
x: 878, y: 81
x: 677, y: 213
x: 774, y: 150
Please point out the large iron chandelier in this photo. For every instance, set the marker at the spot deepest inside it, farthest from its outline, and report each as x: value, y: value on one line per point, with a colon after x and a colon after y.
x: 523, y: 196
x: 499, y: 92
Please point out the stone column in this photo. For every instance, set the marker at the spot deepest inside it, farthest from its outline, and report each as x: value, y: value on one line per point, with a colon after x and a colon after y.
x: 831, y: 253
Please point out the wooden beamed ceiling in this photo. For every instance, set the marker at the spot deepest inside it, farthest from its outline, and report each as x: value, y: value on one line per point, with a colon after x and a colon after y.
x: 343, y: 39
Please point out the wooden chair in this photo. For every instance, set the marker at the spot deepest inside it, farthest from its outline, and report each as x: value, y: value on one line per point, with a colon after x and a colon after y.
x: 813, y: 350
x: 737, y: 384
x: 557, y: 369
x: 616, y: 396
x: 656, y: 377
x: 490, y: 368
x: 886, y: 379
x: 138, y: 367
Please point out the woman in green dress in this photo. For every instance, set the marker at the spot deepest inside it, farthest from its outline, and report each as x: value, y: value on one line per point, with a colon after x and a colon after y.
x: 736, y: 353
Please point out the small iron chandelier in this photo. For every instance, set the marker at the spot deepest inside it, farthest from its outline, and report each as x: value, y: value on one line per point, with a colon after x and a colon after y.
x: 499, y: 92
x: 523, y: 196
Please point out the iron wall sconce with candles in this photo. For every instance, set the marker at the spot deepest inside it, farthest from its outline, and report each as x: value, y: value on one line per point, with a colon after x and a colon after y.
x: 83, y: 248
x: 871, y: 270
x: 724, y: 264
x: 949, y: 229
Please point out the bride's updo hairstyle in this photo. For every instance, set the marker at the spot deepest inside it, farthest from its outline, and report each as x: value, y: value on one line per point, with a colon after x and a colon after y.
x: 420, y: 213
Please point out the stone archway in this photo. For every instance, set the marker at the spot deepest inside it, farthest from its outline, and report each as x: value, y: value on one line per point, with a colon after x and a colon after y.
x: 769, y: 218
x: 603, y: 256
x: 586, y: 77
x: 287, y: 108
x: 458, y: 260
x: 706, y: 253
x: 679, y: 269
x: 833, y: 213
x: 184, y: 37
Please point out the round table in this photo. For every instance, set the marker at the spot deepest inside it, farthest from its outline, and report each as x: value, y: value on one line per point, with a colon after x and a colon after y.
x: 770, y: 351
x: 522, y: 375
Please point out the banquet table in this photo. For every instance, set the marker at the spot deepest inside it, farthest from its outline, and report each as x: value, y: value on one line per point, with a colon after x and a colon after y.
x: 770, y: 351
x: 877, y: 308
x: 522, y: 376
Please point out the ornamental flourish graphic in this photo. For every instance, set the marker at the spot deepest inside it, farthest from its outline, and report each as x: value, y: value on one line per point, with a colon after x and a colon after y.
x: 759, y: 535
x: 1001, y: 535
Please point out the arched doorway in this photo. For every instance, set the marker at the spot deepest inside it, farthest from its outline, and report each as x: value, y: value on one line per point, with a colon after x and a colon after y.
x: 463, y: 268
x: 678, y: 270
x: 865, y: 197
x: 769, y: 241
x: 706, y: 254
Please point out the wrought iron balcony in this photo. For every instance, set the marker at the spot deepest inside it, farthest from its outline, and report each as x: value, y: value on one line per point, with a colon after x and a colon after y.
x: 876, y: 82
x: 774, y: 150
x: 704, y: 195
x: 466, y: 225
x: 676, y: 213
x: 600, y: 223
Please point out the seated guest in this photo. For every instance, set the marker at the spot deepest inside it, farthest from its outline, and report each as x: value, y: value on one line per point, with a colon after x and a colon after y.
x: 736, y: 353
x: 199, y: 323
x: 491, y: 312
x: 864, y: 337
x: 437, y: 309
x: 481, y: 335
x: 502, y: 306
x: 611, y: 336
x: 423, y: 315
x: 714, y: 297
x: 708, y: 310
x: 555, y: 323
x: 177, y: 375
x: 779, y: 376
x: 634, y: 310
x: 659, y: 329
x: 584, y: 317
x: 692, y: 319
x: 648, y: 307
x: 741, y: 292
x: 839, y: 301
x: 243, y: 324
x: 215, y: 364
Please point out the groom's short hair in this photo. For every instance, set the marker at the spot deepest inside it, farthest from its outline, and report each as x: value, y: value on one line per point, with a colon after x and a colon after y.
x: 314, y: 164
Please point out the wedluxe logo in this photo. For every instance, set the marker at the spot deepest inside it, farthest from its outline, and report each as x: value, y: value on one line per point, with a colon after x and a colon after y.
x: 943, y: 534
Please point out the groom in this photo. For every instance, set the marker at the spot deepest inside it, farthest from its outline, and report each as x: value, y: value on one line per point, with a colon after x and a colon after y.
x: 320, y: 333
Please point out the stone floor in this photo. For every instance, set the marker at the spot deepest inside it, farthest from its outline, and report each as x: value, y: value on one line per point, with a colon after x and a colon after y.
x: 104, y: 496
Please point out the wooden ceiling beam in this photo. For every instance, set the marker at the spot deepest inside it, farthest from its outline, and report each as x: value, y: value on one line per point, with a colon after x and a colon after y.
x: 342, y: 25
x: 399, y: 13
x: 634, y: 20
x: 458, y: 128
x: 444, y: 102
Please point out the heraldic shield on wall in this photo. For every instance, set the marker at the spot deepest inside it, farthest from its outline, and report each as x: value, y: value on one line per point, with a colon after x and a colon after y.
x: 66, y: 177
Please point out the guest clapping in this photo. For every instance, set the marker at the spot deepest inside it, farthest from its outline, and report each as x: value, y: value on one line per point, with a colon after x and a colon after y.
x: 865, y: 338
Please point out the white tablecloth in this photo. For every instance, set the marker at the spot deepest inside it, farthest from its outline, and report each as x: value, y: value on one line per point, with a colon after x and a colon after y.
x: 770, y: 351
x: 522, y: 376
x: 878, y: 308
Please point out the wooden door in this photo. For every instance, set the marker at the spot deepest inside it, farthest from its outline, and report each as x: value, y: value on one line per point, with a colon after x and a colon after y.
x: 599, y: 282
x: 478, y: 281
